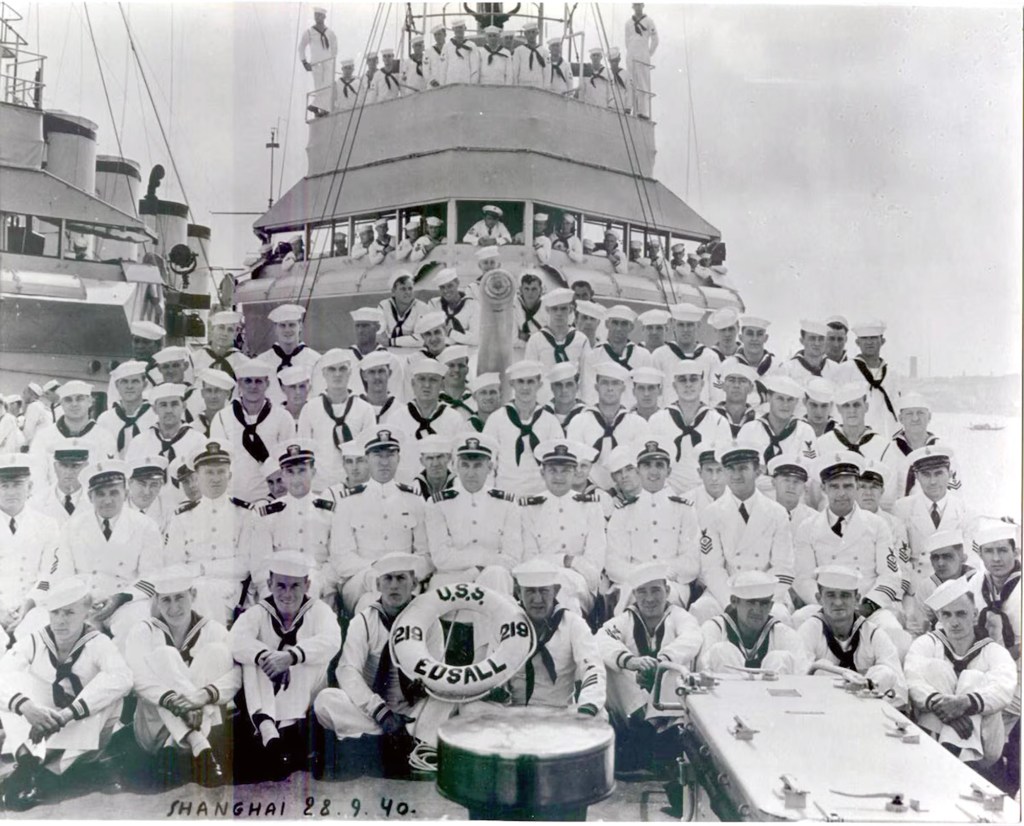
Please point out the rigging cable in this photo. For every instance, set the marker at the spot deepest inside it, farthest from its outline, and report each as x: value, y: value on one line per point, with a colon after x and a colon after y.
x: 693, y: 120
x: 288, y: 121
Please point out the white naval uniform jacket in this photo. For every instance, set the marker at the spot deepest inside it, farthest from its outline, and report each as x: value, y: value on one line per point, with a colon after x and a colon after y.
x: 776, y: 636
x: 473, y: 530
x: 594, y: 87
x: 183, y: 444
x: 466, y: 315
x: 399, y: 326
x: 871, y: 444
x: 701, y: 499
x: 433, y: 65
x: 413, y: 74
x: 587, y: 428
x: 444, y: 421
x: 247, y: 480
x: 28, y: 556
x: 520, y: 474
x: 565, y: 655
x: 113, y: 422
x: 1003, y: 601
x: 868, y: 650
x: 289, y: 522
x: 915, y: 512
x: 800, y: 514
x: 495, y: 67
x: 50, y: 502
x: 375, y: 519
x: 212, y: 536
x: 327, y: 430
x: 461, y: 63
x: 882, y: 397
x: 800, y: 370
x: 499, y: 233
x: 796, y: 439
x: 676, y: 638
x: 866, y: 546
x: 686, y: 441
x: 729, y: 545
x: 903, y: 482
x: 573, y: 524
x: 654, y: 527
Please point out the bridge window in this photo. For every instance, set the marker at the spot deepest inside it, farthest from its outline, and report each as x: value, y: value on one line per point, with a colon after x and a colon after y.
x: 598, y: 234
x: 470, y: 213
x: 329, y: 241
x: 29, y: 235
x: 556, y: 216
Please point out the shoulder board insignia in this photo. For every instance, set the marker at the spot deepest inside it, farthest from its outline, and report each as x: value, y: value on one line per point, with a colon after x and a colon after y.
x: 444, y: 495
x: 681, y: 500
x: 342, y: 491
x: 323, y: 504
x: 187, y: 507
x: 623, y: 503
x: 240, y: 503
x: 272, y: 508
x: 532, y: 500
x: 586, y: 497
x: 354, y: 490
x: 406, y: 489
x: 505, y: 496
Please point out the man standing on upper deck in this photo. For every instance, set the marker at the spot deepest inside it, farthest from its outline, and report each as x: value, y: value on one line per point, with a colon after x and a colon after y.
x: 558, y: 73
x: 495, y: 60
x: 621, y: 87
x: 385, y: 84
x: 641, y: 43
x: 529, y: 61
x: 461, y: 58
x: 414, y: 67
x: 323, y: 49
x: 594, y: 87
x: 347, y: 87
x: 434, y: 58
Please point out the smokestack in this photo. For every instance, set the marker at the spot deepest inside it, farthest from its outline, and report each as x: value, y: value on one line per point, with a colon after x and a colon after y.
x: 118, y: 181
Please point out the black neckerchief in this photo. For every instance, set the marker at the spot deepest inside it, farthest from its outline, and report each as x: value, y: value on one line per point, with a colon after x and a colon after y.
x: 535, y: 53
x: 624, y: 359
x: 608, y: 428
x: 753, y: 656
x: 900, y: 438
x: 286, y: 637
x: 686, y: 430
x: 452, y: 310
x: 493, y: 53
x: 775, y: 440
x: 460, y: 46
x: 530, y: 317
x: 286, y: 360
x: 995, y: 603
x: 348, y: 86
x: 62, y: 428
x: 323, y: 36
x: 541, y: 651
x: 167, y: 445
x: 677, y: 351
x: 958, y: 662
x: 748, y: 416
x: 638, y: 26
x: 221, y: 362
x: 128, y: 423
x: 526, y: 434
x: 251, y: 440
x: 595, y: 74
x: 424, y: 423
x: 618, y: 77
x: 647, y: 645
x: 843, y: 654
x: 419, y: 65
x: 876, y: 384
x: 196, y: 624
x: 867, y: 436
x: 339, y: 421
x: 560, y: 350
x: 66, y: 684
x: 814, y: 371
x: 400, y: 318
x: 458, y: 404
x: 420, y: 481
x: 388, y: 78
x: 557, y: 67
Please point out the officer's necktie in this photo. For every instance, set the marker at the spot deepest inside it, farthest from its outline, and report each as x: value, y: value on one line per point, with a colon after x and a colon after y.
x: 743, y: 512
x: 14, y: 526
x: 837, y: 528
x: 106, y: 529
x: 936, y: 516
x: 69, y: 506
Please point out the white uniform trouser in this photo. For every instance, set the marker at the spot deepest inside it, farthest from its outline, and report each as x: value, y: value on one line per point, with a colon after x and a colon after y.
x: 706, y: 607
x: 323, y: 83
x: 289, y: 704
x: 723, y: 654
x: 336, y: 712
x: 985, y: 743
x: 76, y: 738
x: 640, y: 71
x: 155, y: 726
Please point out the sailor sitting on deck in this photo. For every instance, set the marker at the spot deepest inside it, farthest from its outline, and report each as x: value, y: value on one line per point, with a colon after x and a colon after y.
x: 837, y: 636
x: 745, y: 636
x: 960, y: 680
x: 490, y: 231
x: 284, y: 644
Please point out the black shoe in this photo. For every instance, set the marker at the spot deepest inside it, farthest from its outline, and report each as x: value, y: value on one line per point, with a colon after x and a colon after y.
x: 207, y: 771
x: 23, y: 788
x: 674, y: 790
x: 280, y: 761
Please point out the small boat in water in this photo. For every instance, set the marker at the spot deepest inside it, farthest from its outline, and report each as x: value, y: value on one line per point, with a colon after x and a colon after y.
x: 985, y: 426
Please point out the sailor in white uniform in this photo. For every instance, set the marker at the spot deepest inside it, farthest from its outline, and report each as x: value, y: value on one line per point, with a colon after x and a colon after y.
x: 686, y: 348
x: 61, y: 499
x: 557, y: 341
x: 461, y: 58
x: 402, y: 311
x: 130, y: 416
x: 752, y: 352
x: 323, y: 50
x: 221, y: 353
x: 170, y: 437
x: 489, y: 231
x: 215, y: 390
x: 648, y: 384
x: 347, y: 88
x: 381, y: 376
x: 915, y: 414
x: 997, y: 587
x: 594, y: 86
x: 386, y: 84
x: 619, y: 321
x: 835, y: 341
x: 295, y: 384
x: 948, y: 560
x: 563, y: 384
x: 461, y: 311
x: 558, y: 73
x: 745, y: 635
x: 495, y: 60
x: 852, y: 433
x: 810, y: 361
x: 641, y: 43
x: 529, y: 61
x: 528, y: 313
x: 61, y: 689
x: 288, y: 348
x: 620, y: 83
x: 819, y: 394
x: 869, y: 367
x: 434, y: 58
x: 732, y: 388
x: 73, y: 422
x: 37, y: 411
x: 413, y: 69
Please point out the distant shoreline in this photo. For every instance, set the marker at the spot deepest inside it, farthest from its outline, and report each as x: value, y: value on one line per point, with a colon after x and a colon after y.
x: 979, y: 395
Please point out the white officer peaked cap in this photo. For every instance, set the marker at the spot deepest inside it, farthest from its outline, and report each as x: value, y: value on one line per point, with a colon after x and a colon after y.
x: 647, y: 375
x: 557, y: 297
x: 367, y: 314
x: 687, y: 312
x: 653, y: 449
x: 453, y: 352
x: 253, y: 369
x: 875, y: 472
x: 492, y: 30
x: 379, y: 438
x: 838, y: 321
x: 591, y: 309
x: 536, y: 573
x: 428, y: 367
x: 169, y: 354
x: 654, y: 317
x: 14, y: 465
x: 840, y: 463
x: 788, y: 466
x: 992, y: 530
x: 129, y: 368
x: 491, y: 208
x: 484, y: 380
x: 530, y: 26
x: 335, y: 356
x: 732, y: 453
x: 167, y: 390
x: 211, y: 453
x: 841, y: 577
x: 225, y: 317
x: 429, y: 321
x: 148, y: 330
x: 556, y: 451
x: 930, y: 456
x: 437, y: 27
x: 755, y: 321
x: 649, y: 572
x: 943, y: 539
x: 174, y: 579
x: 867, y: 329
x: 75, y: 388
x: 815, y: 328
x: 476, y: 444
x: 378, y: 358
x: 525, y: 369
x: 138, y: 467
x: 753, y: 585
x: 820, y: 390
x: 296, y: 374
x: 105, y: 472
x: 489, y: 253
x: 289, y: 563
x: 850, y: 392
x: 612, y: 370
x: 783, y: 385
x: 620, y: 458
x: 293, y: 451
x: 286, y: 312
x: 910, y: 401
x: 65, y: 592
x: 621, y: 312
x: 734, y: 367
x: 563, y: 371
x: 947, y: 592
x: 395, y: 563
x: 180, y: 469
x: 724, y: 317
x: 446, y: 276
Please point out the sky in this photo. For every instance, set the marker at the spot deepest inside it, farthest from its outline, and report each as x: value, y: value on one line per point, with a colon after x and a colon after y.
x: 857, y: 160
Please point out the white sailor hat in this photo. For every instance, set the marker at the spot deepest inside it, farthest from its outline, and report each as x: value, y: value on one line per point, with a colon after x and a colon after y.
x: 413, y: 220
x: 145, y: 467
x: 225, y: 317
x: 620, y: 312
x: 868, y: 329
x: 687, y: 312
x: 678, y: 246
x: 378, y: 358
x: 590, y: 309
x: 336, y: 356
x: 930, y: 456
x: 614, y: 52
x: 367, y: 315
x: 690, y: 367
x: 841, y: 577
x: 105, y: 472
x: 943, y: 539
x: 64, y: 592
x: 947, y: 592
x: 593, y: 50
x: 492, y: 30
x: 148, y: 330
x: 611, y: 232
x: 434, y: 444
x: 52, y: 384
x: 437, y: 27
x: 563, y: 371
x: 13, y: 398
x: 840, y: 463
x: 783, y: 385
x: 394, y: 563
x: 446, y: 276
x: 453, y: 352
x: 536, y: 573
x: 475, y: 444
x: 294, y: 451
x: 585, y: 454
x: 648, y: 572
x: 434, y: 221
x: 129, y: 368
x: 353, y: 447
x: 371, y: 56
x: 286, y: 312
x: 492, y: 209
x: 753, y: 585
x: 874, y: 472
x: 428, y: 367
x: 556, y: 452
x: 458, y: 23
x: 270, y: 468
x: 636, y: 244
x: 620, y: 458
x: 850, y: 392
x: 788, y: 466
x: 484, y: 380
x: 815, y: 328
x: 555, y: 41
x: 652, y: 449
x: 252, y: 369
x: 755, y: 322
x: 654, y: 317
x: 819, y: 390
x: 489, y: 253
x: 367, y: 229
x: 381, y: 438
x: 35, y: 388
x: 15, y: 466
x: 289, y: 563
x: 612, y: 370
x: 347, y: 61
x: 174, y: 579
x: 171, y: 354
x: 211, y: 453
x: 386, y: 50
x: 296, y: 374
x: 416, y: 38
x: 74, y: 388
x: 647, y: 375
x: 734, y: 367
x: 911, y: 401
x: 319, y: 10
x: 540, y: 217
x: 525, y: 369
x: 167, y: 390
x: 995, y: 530
x: 382, y: 221
x: 735, y: 452
x: 530, y: 26
x: 837, y: 321
x: 724, y: 317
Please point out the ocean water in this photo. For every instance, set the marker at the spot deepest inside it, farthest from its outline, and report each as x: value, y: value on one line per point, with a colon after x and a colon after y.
x: 990, y: 460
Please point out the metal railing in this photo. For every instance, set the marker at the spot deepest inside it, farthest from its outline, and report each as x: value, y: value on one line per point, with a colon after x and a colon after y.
x: 21, y: 70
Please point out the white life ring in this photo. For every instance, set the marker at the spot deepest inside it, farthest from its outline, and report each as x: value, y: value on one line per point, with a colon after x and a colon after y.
x: 461, y: 683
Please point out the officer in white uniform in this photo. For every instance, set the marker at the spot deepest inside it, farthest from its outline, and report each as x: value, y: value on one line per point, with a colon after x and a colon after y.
x: 73, y: 422
x: 60, y: 500
x: 489, y: 231
x: 323, y: 50
x: 915, y: 414
x: 288, y: 348
x: 147, y: 481
x: 789, y: 478
x: 641, y: 43
x: 130, y: 416
x: 529, y: 61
